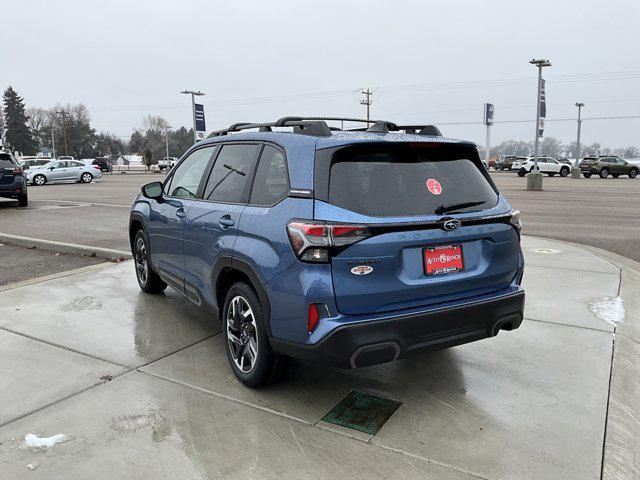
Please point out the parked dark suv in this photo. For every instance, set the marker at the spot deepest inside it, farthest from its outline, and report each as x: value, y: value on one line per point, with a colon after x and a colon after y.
x: 13, y: 184
x: 103, y: 163
x: 605, y: 166
x: 349, y: 248
x: 505, y: 162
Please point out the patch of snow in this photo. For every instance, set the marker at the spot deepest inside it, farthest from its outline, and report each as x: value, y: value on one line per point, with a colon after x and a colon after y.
x: 546, y: 251
x: 32, y: 440
x: 610, y: 310
x: 33, y: 466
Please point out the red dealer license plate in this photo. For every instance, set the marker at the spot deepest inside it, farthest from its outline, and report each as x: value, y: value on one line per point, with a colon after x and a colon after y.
x: 442, y: 259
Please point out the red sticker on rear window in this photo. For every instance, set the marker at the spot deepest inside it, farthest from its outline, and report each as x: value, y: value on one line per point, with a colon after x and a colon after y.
x: 434, y: 186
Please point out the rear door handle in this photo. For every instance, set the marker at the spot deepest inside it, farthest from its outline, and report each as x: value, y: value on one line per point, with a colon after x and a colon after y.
x: 180, y: 213
x: 226, y: 222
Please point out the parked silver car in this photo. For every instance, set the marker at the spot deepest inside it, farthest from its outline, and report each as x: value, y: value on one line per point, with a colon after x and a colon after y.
x: 62, y: 171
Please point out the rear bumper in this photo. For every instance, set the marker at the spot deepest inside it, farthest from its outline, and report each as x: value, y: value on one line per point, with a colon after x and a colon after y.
x: 13, y: 189
x: 380, y: 341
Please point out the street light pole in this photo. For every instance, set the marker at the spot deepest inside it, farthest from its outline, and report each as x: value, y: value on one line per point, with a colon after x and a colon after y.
x: 534, y: 179
x: 193, y: 94
x: 575, y: 169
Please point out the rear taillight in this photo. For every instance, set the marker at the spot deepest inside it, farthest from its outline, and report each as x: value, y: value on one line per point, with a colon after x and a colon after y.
x: 515, y: 220
x: 312, y: 241
x: 97, y: 167
x: 17, y: 170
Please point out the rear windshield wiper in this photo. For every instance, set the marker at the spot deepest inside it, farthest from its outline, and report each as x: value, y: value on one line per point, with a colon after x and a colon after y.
x: 456, y: 206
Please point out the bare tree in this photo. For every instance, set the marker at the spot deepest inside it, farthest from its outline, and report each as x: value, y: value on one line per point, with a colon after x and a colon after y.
x: 155, y: 122
x: 38, y: 121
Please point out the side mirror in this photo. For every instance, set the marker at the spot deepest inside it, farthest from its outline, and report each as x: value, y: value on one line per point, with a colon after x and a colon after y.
x: 51, y: 168
x: 152, y: 190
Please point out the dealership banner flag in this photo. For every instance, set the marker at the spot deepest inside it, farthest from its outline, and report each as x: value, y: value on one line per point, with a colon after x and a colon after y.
x: 543, y: 108
x: 201, y: 128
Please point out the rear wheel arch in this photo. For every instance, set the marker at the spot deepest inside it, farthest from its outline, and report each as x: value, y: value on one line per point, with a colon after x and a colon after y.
x: 229, y: 271
x: 135, y: 223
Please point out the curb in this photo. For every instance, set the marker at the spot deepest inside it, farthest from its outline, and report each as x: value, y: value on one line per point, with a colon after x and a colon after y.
x: 73, y: 248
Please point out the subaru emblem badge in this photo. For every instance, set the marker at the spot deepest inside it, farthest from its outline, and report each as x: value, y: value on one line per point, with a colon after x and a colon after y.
x: 451, y: 224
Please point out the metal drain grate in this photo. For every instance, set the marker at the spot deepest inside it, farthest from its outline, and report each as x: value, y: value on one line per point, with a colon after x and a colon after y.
x: 363, y: 412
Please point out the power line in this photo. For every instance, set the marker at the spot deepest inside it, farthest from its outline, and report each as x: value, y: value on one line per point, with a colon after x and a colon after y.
x: 616, y: 117
x: 407, y: 88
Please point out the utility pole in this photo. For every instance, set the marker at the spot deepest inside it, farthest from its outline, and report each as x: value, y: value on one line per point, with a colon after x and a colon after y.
x: 367, y: 101
x: 193, y: 94
x: 64, y: 115
x: 575, y: 169
x: 166, y: 139
x: 534, y: 179
x: 53, y: 142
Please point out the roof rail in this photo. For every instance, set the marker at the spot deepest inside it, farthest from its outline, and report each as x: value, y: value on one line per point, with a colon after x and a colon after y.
x: 317, y: 126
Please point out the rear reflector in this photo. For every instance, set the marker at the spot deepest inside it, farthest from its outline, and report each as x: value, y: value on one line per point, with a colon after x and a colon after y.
x: 312, y: 317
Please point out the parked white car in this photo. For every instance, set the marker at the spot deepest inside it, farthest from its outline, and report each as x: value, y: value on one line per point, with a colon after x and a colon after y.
x: 547, y: 165
x: 63, y: 171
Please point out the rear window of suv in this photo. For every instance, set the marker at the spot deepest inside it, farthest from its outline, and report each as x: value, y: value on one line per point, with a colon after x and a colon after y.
x: 408, y: 180
x: 6, y: 161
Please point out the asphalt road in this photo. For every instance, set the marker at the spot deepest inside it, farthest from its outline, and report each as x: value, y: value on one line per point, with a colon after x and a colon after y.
x: 597, y: 212
x: 603, y: 213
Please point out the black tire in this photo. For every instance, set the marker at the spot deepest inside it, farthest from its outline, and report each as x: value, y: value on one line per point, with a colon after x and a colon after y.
x: 564, y: 171
x: 267, y: 365
x: 522, y: 173
x: 551, y: 174
x: 86, y: 177
x: 586, y: 175
x: 604, y: 173
x: 633, y: 173
x: 39, y: 180
x: 23, y: 200
x: 148, y: 280
x: 615, y: 175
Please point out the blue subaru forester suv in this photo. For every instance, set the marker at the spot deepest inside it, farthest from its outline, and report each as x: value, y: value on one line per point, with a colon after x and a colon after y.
x: 345, y: 247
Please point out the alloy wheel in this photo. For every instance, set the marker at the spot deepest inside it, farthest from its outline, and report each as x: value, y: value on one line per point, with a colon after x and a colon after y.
x: 142, y: 261
x: 86, y: 178
x: 242, y: 335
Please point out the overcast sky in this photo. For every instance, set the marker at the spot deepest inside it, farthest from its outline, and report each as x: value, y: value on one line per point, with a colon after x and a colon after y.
x: 256, y: 60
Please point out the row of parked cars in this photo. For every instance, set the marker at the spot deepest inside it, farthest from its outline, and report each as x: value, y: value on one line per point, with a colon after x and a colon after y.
x: 15, y: 176
x: 101, y: 163
x: 603, y: 166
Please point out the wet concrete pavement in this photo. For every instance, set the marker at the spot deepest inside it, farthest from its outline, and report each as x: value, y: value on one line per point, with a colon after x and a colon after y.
x: 531, y: 403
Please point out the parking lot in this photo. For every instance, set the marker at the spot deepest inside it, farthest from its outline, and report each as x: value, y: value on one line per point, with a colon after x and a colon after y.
x: 596, y: 212
x: 140, y: 387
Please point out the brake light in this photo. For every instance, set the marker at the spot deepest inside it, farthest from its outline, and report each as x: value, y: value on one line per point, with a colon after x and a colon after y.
x: 97, y: 167
x: 312, y: 240
x: 17, y: 170
x: 312, y: 317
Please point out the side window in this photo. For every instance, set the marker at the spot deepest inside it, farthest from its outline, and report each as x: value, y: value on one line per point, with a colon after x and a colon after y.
x: 230, y: 177
x: 272, y: 181
x: 77, y: 164
x: 62, y: 164
x: 186, y: 179
x: 551, y: 161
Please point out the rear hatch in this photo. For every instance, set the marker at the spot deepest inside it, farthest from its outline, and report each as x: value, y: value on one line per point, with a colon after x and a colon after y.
x: 588, y: 162
x: 403, y: 194
x: 8, y: 169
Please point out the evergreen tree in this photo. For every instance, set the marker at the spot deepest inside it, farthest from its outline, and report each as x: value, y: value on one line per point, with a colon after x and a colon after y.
x: 17, y: 134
